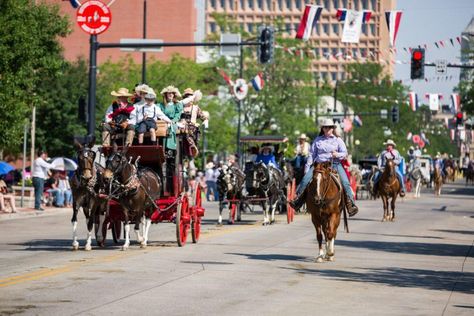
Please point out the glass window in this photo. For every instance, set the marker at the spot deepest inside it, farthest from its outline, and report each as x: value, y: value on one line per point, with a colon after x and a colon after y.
x: 365, y: 4
x: 326, y: 4
x: 363, y: 52
x: 325, y: 51
x: 223, y: 4
x: 260, y: 4
x: 326, y: 28
x: 212, y: 27
x: 335, y: 28
x: 374, y: 5
x: 334, y: 76
x: 242, y: 4
x: 295, y: 26
x: 250, y: 27
x: 324, y: 75
x: 251, y: 4
x: 356, y: 5
x: 364, y: 28
x: 372, y: 29
x: 288, y: 27
x: 354, y: 52
x: 280, y: 5
x: 318, y: 29
x: 298, y: 4
x: 269, y: 4
x: 342, y: 75
x: 334, y: 51
x: 289, y: 4
x: 213, y: 4
x: 231, y: 4
x: 344, y: 3
x: 335, y: 4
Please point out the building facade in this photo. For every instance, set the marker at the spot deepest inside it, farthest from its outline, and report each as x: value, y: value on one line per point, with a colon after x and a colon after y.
x: 329, y: 54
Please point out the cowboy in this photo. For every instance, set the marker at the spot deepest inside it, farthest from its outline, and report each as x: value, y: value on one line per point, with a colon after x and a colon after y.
x: 266, y: 156
x: 147, y: 115
x: 140, y: 91
x: 301, y: 151
x: 326, y: 147
x: 120, y: 116
x: 191, y: 112
x: 390, y: 153
x: 438, y: 163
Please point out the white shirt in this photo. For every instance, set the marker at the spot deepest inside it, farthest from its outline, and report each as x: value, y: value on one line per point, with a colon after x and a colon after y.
x: 63, y: 184
x: 40, y: 168
x: 133, y: 115
x: 209, y: 174
x: 151, y: 111
x: 303, y: 149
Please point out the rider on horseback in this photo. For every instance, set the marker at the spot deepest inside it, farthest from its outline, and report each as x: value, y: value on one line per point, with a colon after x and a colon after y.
x: 390, y: 153
x: 302, y: 151
x: 326, y: 147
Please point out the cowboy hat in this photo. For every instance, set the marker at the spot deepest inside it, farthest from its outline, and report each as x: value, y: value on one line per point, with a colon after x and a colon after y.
x: 188, y: 91
x: 122, y: 92
x: 150, y: 96
x: 437, y: 156
x: 266, y: 146
x: 142, y: 88
x: 209, y: 165
x: 171, y: 89
x: 303, y: 136
x: 327, y: 122
x: 390, y: 142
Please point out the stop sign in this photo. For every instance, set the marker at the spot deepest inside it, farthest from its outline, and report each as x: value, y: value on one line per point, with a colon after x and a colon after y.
x: 94, y: 17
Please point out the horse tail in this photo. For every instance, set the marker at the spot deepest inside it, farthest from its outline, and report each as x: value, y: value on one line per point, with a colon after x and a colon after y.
x: 344, y: 211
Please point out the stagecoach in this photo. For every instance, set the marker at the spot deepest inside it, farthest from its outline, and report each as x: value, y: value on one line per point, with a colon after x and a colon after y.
x: 176, y: 204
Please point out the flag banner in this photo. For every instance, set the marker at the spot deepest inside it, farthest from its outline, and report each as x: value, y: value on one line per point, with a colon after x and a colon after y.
x: 75, y: 3
x: 455, y: 103
x: 226, y: 77
x: 347, y: 125
x: 341, y: 15
x: 424, y: 138
x: 452, y: 41
x: 257, y: 82
x: 413, y: 100
x: 352, y: 27
x: 434, y: 101
x: 357, y: 121
x: 393, y: 23
x: 308, y: 21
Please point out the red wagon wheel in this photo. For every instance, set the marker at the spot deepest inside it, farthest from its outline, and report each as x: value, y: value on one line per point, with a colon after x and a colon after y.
x: 233, y: 210
x: 183, y: 220
x: 197, y: 213
x: 290, y: 195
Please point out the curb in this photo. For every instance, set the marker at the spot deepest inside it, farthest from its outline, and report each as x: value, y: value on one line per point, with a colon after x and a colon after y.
x: 30, y: 212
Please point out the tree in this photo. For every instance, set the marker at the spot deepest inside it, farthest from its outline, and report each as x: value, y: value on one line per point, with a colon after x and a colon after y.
x: 30, y: 53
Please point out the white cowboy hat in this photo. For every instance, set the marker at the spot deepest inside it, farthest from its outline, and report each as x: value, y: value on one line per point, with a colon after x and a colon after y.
x: 267, y: 146
x: 327, y: 122
x: 188, y: 91
x: 122, y: 92
x: 171, y: 89
x: 209, y: 165
x: 142, y: 88
x: 150, y: 96
x: 303, y: 136
x: 437, y: 156
x: 390, y: 142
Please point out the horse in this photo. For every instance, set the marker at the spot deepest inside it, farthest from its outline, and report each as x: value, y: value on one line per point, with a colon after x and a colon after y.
x: 325, y: 202
x: 450, y: 176
x: 84, y: 187
x: 438, y: 180
x: 469, y: 173
x: 266, y: 183
x: 136, y: 190
x: 388, y: 187
x: 369, y: 185
x: 418, y: 178
x: 229, y: 185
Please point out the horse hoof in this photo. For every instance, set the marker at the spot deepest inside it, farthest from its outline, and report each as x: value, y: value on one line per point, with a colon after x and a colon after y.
x: 88, y: 248
x: 101, y: 244
x: 219, y: 224
x: 330, y: 258
x: 75, y: 247
x: 230, y: 223
x: 319, y: 259
x: 143, y: 245
x: 123, y: 248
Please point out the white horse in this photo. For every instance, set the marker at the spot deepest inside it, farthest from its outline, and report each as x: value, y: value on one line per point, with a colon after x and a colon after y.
x: 418, y: 178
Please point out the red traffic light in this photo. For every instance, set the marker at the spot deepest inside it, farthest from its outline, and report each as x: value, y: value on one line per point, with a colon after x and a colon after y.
x: 459, y: 115
x: 417, y: 55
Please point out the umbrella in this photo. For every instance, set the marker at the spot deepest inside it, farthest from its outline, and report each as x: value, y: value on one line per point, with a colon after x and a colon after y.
x: 62, y: 163
x: 5, y: 168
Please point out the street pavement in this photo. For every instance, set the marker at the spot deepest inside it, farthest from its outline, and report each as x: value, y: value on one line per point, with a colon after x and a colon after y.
x: 421, y: 264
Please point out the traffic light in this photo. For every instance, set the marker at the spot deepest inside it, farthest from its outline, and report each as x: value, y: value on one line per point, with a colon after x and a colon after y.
x: 417, y: 64
x: 265, y: 49
x: 459, y: 119
x: 395, y: 114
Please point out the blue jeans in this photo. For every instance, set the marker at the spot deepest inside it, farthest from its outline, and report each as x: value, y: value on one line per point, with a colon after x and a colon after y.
x: 399, y: 175
x: 68, y: 197
x: 58, y: 197
x: 342, y: 175
x: 38, y: 184
x: 212, y: 185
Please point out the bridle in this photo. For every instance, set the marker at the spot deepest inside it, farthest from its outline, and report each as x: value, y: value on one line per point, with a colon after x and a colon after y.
x: 116, y: 164
x: 262, y: 174
x: 86, y: 155
x: 323, y: 172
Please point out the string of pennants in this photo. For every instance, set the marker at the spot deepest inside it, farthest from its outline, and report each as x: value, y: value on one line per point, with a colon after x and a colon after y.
x: 434, y: 101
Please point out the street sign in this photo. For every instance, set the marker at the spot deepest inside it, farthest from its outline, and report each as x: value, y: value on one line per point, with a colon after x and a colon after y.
x: 240, y: 89
x: 94, y: 17
x: 141, y: 41
x: 441, y: 67
x: 383, y: 113
x: 230, y: 50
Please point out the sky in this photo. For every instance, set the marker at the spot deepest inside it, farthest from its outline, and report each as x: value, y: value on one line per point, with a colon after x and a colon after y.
x: 425, y: 22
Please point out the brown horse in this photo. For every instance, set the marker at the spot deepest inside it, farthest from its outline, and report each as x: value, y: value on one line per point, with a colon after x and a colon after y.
x: 324, y: 200
x: 84, y: 187
x: 388, y: 187
x: 135, y: 189
x: 438, y: 181
x: 450, y: 176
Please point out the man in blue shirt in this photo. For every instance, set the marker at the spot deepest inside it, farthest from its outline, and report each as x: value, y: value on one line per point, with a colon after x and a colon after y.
x: 267, y: 156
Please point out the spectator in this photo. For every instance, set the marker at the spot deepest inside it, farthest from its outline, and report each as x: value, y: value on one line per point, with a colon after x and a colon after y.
x: 5, y: 196
x: 210, y: 181
x: 65, y: 189
x: 40, y: 173
x: 53, y: 184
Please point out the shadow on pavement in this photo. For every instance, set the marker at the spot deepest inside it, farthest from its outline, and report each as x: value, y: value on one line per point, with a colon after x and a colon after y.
x: 401, y: 277
x: 464, y: 232
x: 271, y: 257
x: 416, y: 248
x: 396, y: 235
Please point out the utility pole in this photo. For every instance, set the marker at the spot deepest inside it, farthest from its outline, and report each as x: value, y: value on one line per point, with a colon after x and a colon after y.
x: 33, y: 135
x: 335, y: 97
x: 240, y: 104
x: 144, y: 36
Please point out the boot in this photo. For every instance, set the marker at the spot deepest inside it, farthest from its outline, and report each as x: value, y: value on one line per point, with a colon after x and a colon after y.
x: 129, y: 138
x: 298, y: 202
x: 352, y: 209
x: 402, y: 193
x: 106, y: 138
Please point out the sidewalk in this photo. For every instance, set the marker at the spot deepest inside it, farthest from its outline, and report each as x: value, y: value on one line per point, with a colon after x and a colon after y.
x: 23, y: 212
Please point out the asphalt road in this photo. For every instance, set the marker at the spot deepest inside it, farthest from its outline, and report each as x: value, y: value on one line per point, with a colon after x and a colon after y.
x: 421, y: 264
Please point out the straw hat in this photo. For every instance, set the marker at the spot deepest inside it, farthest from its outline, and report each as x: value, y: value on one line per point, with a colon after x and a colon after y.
x: 150, y: 96
x: 266, y: 146
x: 390, y: 142
x: 142, y: 88
x: 327, y: 122
x: 122, y: 92
x: 171, y: 89
x: 303, y: 136
x: 188, y: 91
x: 209, y: 165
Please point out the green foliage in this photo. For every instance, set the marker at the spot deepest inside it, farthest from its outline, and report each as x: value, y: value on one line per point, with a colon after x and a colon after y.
x: 30, y: 53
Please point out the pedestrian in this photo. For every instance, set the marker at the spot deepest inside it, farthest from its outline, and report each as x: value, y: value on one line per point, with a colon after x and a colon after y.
x: 210, y: 182
x: 40, y: 174
x: 65, y: 189
x: 54, y: 191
